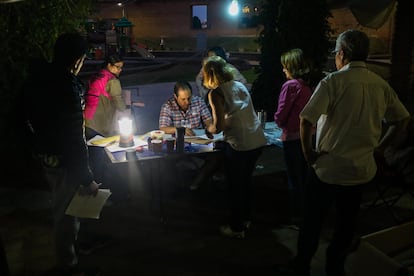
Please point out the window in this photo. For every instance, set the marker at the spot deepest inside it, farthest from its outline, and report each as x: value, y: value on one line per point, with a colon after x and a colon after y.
x: 199, y: 17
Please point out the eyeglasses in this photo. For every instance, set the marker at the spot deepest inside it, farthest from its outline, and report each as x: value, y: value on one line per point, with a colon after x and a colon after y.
x: 119, y: 67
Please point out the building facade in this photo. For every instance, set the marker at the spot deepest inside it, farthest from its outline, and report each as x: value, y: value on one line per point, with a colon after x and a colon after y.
x: 197, y: 24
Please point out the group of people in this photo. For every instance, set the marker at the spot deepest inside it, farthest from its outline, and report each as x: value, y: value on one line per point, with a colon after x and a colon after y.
x: 225, y: 107
x: 329, y: 135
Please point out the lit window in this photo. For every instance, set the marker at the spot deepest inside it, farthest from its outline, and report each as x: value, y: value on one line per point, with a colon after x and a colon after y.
x: 199, y: 17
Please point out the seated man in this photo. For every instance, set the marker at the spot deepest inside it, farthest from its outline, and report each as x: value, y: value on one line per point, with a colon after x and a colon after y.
x: 191, y: 112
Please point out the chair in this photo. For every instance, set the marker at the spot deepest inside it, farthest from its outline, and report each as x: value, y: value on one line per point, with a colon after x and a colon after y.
x: 395, y: 175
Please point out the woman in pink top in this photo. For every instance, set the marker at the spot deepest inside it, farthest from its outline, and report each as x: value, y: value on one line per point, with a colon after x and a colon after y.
x: 104, y: 98
x: 294, y: 94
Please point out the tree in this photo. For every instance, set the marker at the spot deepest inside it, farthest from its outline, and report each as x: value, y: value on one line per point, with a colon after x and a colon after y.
x: 29, y: 30
x: 289, y: 24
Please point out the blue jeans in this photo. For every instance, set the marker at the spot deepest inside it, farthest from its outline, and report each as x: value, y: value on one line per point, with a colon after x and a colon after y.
x: 296, y: 168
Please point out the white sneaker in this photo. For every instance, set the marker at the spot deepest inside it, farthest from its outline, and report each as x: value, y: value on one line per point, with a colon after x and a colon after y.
x: 247, y: 224
x: 194, y: 187
x: 226, y: 230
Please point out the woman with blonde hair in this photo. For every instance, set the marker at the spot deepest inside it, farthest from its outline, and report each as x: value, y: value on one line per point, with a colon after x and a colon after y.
x: 234, y: 114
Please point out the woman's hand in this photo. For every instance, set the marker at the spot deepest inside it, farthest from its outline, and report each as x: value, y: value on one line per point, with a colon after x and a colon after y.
x: 211, y: 128
x: 189, y: 132
x: 209, y: 135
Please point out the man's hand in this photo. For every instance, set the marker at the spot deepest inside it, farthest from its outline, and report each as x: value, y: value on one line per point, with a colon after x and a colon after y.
x: 91, y: 189
x: 311, y: 156
x: 189, y: 132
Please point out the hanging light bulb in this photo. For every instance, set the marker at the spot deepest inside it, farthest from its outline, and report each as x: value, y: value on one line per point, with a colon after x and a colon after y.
x: 234, y: 8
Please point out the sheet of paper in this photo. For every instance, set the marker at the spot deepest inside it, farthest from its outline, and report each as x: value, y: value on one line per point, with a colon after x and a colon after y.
x: 137, y: 143
x: 199, y: 132
x: 203, y: 139
x: 88, y: 206
x: 113, y: 144
x: 99, y: 138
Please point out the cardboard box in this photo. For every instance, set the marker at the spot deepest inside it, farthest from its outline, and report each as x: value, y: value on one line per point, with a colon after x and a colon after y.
x: 389, y: 252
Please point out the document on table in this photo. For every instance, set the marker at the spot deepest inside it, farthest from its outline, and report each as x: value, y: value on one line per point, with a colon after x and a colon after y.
x: 201, y: 138
x: 112, y: 143
x: 88, y: 206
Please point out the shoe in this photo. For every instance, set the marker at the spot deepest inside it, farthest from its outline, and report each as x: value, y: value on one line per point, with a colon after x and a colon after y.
x: 284, y: 270
x: 194, y: 187
x: 290, y: 269
x: 293, y: 227
x: 85, y: 271
x: 228, y: 232
x: 76, y: 270
x: 218, y: 177
x: 247, y: 224
x: 87, y: 247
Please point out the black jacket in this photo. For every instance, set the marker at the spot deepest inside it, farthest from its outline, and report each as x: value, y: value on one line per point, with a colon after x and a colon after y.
x: 54, y: 113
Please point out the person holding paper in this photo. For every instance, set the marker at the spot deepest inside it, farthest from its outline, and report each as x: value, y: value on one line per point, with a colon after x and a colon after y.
x: 56, y: 126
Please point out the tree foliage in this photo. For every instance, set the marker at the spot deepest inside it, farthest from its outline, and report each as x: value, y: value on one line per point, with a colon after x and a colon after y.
x: 289, y: 24
x: 29, y: 30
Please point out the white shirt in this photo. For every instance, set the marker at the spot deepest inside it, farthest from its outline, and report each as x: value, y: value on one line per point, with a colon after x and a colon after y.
x: 243, y: 130
x: 348, y: 107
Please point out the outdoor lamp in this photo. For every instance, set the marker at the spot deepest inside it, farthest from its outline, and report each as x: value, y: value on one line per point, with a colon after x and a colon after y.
x: 234, y: 8
x: 126, y: 138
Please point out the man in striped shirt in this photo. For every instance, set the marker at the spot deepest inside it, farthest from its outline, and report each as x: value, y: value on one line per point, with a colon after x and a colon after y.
x: 191, y: 112
x: 184, y: 110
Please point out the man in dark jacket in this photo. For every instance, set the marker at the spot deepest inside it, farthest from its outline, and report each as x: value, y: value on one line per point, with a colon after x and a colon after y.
x: 55, y: 119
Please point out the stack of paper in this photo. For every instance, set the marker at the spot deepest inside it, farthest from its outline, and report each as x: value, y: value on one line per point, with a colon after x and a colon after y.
x: 88, y: 206
x: 203, y: 139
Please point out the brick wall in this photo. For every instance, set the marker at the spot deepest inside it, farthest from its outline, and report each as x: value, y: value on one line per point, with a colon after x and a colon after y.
x: 172, y: 21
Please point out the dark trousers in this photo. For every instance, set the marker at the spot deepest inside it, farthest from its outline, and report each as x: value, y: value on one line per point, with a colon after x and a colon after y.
x: 239, y: 167
x: 319, y: 198
x: 4, y: 267
x: 296, y: 168
x: 96, y: 156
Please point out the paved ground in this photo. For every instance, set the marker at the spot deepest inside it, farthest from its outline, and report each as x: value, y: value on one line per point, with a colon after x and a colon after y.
x: 186, y: 243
